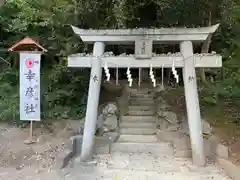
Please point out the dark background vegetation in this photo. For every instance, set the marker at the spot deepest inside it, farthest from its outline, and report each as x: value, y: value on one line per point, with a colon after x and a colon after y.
x: 64, y: 90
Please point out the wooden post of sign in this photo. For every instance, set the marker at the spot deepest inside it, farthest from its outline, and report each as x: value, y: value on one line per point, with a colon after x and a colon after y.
x: 117, y: 76
x: 31, y: 131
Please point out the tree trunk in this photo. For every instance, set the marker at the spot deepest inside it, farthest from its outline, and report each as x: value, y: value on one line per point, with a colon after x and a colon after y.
x: 2, y: 2
x: 205, y: 49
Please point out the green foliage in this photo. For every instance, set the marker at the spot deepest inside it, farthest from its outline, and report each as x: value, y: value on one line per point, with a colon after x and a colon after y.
x: 9, y: 97
x: 229, y: 87
x: 64, y: 90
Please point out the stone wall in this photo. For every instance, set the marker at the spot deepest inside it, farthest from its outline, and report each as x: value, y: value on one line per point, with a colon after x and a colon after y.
x: 175, y: 129
x: 167, y: 120
x: 123, y: 100
x: 220, y: 154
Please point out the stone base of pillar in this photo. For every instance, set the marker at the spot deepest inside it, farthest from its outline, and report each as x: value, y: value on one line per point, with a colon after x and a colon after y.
x: 102, y: 144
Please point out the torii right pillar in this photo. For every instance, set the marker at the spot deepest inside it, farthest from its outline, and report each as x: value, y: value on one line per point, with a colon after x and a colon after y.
x: 192, y: 103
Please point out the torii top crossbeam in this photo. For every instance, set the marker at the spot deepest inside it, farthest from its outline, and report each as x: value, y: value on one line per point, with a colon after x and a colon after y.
x: 149, y: 36
x: 162, y: 35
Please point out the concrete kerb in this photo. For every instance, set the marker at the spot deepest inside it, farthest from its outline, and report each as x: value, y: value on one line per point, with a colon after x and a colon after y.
x: 105, y: 140
x: 102, y: 145
x: 220, y: 154
x: 161, y: 107
x: 164, y: 123
x: 64, y: 156
x: 179, y: 141
x: 232, y: 170
x: 123, y: 101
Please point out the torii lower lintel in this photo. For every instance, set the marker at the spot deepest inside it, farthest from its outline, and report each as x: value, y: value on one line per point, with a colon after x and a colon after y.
x: 213, y: 61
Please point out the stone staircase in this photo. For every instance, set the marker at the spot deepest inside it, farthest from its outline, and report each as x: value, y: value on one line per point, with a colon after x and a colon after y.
x: 138, y: 152
x: 138, y: 127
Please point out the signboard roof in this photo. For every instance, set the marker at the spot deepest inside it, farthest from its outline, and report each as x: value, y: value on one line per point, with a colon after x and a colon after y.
x: 26, y: 44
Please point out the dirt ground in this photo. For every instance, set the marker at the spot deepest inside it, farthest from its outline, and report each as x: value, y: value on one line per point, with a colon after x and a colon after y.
x: 224, y: 127
x: 19, y: 160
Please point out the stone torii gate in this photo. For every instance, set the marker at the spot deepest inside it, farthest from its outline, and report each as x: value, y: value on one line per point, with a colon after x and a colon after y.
x: 143, y: 58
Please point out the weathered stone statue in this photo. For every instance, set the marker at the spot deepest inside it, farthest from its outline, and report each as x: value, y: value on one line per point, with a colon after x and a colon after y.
x: 104, y: 122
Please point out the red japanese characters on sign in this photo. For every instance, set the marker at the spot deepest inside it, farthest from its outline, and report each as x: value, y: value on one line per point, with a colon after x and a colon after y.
x: 29, y: 63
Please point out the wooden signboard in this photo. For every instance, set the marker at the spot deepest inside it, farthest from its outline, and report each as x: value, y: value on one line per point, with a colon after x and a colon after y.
x: 30, y: 86
x: 30, y: 59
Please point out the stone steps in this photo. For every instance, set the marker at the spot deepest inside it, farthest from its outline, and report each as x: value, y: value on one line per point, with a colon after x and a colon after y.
x: 141, y: 91
x: 138, y: 125
x: 138, y: 131
x: 106, y: 173
x: 141, y: 95
x: 143, y: 98
x: 143, y: 161
x: 139, y: 119
x: 141, y: 108
x: 140, y: 113
x: 141, y: 102
x: 138, y: 138
x: 144, y: 166
x: 156, y: 149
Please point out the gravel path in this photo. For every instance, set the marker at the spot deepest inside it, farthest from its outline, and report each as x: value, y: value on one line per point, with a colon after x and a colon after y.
x: 19, y: 161
x: 142, y: 167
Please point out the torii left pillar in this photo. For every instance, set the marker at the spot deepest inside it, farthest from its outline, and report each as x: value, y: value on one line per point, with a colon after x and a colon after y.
x: 92, y: 103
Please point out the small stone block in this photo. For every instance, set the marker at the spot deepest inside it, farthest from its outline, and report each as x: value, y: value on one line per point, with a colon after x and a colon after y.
x: 79, y: 162
x: 162, y: 123
x: 30, y: 141
x: 63, y: 158
x: 76, y: 144
x: 166, y: 136
x: 232, y: 170
x: 183, y: 153
x: 182, y: 143
x: 207, y: 148
x: 222, y: 151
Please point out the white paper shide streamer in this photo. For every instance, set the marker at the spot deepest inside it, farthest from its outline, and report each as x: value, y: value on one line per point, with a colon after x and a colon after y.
x: 175, y: 72
x: 129, y: 76
x: 107, y: 71
x: 152, y: 76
